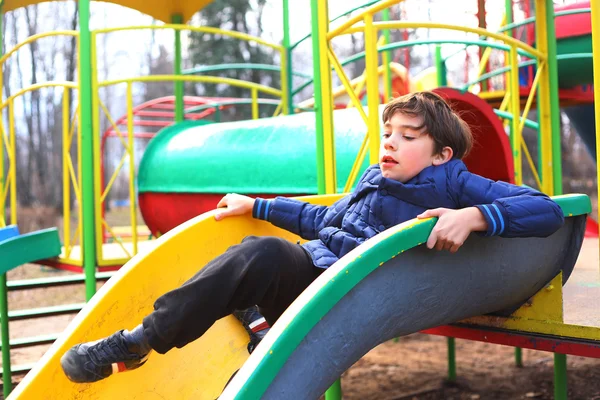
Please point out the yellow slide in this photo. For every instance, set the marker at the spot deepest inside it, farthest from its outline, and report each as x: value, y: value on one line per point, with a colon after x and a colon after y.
x: 198, y: 371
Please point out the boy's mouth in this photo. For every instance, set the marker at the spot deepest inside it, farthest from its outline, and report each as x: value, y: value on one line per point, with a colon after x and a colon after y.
x: 388, y: 160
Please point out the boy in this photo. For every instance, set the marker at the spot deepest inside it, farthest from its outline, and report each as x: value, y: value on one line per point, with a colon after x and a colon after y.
x: 419, y: 175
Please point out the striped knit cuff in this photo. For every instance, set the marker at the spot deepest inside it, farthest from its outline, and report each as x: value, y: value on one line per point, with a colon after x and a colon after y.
x: 259, y: 325
x: 261, y: 209
x: 494, y: 217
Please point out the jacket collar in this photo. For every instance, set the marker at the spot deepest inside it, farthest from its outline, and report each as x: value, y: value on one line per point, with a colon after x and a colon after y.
x: 424, y: 189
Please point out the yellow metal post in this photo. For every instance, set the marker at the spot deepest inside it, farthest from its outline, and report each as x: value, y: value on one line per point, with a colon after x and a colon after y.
x: 544, y: 117
x: 255, y: 113
x: 326, y: 99
x: 66, y: 176
x: 80, y: 177
x: 596, y: 54
x: 372, y: 88
x: 515, y: 100
x: 286, y: 79
x: 96, y: 147
x: 131, y: 151
x: 363, y: 78
x: 12, y: 153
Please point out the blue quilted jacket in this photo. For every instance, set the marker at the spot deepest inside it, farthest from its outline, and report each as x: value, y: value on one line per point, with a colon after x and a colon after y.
x: 379, y: 203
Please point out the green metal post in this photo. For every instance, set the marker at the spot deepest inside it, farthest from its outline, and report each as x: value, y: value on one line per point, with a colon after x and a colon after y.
x: 335, y: 391
x: 288, y: 54
x: 508, y: 10
x: 4, y: 334
x: 451, y: 359
x: 178, y: 85
x: 440, y: 67
x: 217, y: 114
x: 385, y: 15
x: 518, y: 357
x: 318, y: 97
x: 6, y: 373
x: 540, y: 170
x: 560, y: 376
x: 87, y: 148
x: 2, y: 201
x: 539, y: 101
x: 554, y: 102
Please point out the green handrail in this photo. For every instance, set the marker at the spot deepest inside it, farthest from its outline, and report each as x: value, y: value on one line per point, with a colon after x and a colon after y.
x: 503, y: 70
x: 230, y: 102
x: 292, y: 47
x: 574, y: 55
x: 367, y: 4
x: 38, y: 283
x: 491, y: 74
x: 506, y: 115
x: 532, y: 19
x: 399, y: 45
x: 15, y: 251
x: 221, y: 67
x: 482, y: 43
x: 525, y: 22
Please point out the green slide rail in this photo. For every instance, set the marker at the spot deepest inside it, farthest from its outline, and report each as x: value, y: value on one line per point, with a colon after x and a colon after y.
x: 16, y: 251
x: 349, y: 273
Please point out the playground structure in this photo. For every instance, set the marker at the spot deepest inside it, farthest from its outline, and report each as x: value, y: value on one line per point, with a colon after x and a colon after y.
x: 92, y: 227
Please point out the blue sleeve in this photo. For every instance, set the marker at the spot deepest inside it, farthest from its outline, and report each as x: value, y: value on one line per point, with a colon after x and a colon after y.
x: 510, y: 211
x: 303, y: 219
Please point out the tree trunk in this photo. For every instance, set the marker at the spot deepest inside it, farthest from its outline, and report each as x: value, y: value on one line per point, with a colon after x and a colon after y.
x: 41, y: 161
x: 24, y: 170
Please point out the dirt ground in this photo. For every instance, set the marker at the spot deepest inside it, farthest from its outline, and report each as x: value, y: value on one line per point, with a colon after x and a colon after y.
x: 415, y: 368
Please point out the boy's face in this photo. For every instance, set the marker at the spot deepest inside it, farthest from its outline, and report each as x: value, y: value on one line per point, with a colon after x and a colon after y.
x: 406, y: 149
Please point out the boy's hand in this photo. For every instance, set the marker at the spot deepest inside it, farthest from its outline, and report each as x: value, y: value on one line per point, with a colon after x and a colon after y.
x: 236, y: 204
x: 453, y: 227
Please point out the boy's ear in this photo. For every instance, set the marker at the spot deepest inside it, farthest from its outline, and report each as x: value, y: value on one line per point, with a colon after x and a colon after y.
x: 444, y: 156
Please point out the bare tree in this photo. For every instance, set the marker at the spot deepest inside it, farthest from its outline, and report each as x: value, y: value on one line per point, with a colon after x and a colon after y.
x: 38, y: 113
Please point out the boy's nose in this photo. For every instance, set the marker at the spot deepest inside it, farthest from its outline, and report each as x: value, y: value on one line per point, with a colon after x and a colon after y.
x: 389, y: 144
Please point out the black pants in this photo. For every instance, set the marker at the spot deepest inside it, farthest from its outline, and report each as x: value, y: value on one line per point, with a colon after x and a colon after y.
x: 266, y: 271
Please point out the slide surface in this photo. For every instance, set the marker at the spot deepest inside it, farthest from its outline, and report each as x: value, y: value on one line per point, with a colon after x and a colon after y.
x: 386, y: 287
x: 390, y: 287
x: 201, y: 369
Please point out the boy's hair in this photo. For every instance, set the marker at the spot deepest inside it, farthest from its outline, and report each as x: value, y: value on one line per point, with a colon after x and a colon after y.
x: 439, y: 121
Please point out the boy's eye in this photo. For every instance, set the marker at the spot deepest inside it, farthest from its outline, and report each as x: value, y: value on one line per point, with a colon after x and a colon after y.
x: 409, y: 138
x: 386, y: 134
